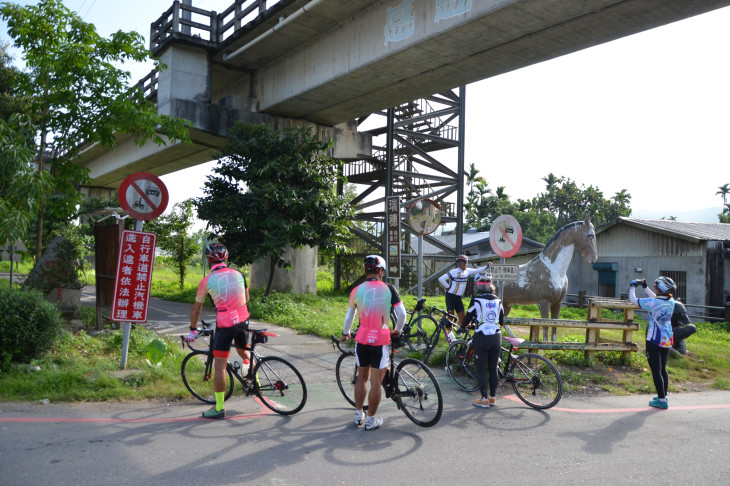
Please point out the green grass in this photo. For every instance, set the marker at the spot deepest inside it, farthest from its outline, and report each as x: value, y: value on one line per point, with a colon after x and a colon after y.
x: 85, y: 368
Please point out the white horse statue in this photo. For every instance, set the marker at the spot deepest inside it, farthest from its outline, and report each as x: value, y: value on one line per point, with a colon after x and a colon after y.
x: 543, y: 279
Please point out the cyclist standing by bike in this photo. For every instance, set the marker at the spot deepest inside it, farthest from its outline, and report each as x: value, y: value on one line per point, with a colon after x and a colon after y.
x: 488, y: 316
x: 454, y: 282
x: 372, y: 300
x: 227, y: 287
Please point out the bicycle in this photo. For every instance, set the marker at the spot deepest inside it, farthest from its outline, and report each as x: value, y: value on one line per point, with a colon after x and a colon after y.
x: 442, y: 326
x: 413, y: 331
x: 534, y: 378
x: 410, y: 384
x: 274, y: 380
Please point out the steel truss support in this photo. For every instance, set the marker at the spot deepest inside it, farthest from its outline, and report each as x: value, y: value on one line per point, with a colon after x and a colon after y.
x: 418, y: 152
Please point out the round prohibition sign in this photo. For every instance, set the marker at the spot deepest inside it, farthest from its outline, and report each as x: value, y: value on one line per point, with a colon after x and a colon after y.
x: 143, y: 196
x: 505, y: 236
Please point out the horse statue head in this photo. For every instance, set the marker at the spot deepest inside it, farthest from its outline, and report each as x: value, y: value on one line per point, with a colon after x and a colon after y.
x: 580, y: 235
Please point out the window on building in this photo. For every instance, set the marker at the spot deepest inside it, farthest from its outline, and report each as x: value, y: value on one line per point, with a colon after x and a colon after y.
x: 680, y: 278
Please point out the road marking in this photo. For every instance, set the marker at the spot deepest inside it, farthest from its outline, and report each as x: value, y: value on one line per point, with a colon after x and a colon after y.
x: 514, y: 398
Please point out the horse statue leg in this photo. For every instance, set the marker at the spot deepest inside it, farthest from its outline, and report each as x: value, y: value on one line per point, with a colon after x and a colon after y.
x: 544, y: 306
x: 555, y: 314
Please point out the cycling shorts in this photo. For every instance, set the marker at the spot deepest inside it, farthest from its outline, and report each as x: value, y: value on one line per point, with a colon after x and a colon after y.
x: 224, y: 336
x: 454, y: 302
x: 373, y: 356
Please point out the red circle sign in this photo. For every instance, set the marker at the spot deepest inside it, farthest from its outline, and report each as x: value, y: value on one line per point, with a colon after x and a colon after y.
x: 143, y: 196
x: 505, y: 236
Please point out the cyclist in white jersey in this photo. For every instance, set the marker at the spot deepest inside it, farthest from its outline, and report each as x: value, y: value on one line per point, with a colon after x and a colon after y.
x: 455, y: 282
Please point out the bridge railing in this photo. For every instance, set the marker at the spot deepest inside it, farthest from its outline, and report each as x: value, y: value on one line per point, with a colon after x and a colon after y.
x: 185, y: 20
x: 148, y: 85
x: 206, y: 25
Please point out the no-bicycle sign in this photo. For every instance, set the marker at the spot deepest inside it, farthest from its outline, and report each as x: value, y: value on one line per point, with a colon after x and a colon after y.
x: 143, y: 196
x: 505, y: 236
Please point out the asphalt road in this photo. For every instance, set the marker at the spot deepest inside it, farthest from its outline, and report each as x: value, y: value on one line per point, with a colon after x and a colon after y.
x: 581, y: 441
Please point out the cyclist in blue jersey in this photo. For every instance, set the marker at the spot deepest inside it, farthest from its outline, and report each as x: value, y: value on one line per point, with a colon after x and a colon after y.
x: 659, y: 335
x: 372, y: 301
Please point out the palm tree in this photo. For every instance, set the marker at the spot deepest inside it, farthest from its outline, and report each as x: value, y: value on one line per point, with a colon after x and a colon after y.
x: 724, y: 191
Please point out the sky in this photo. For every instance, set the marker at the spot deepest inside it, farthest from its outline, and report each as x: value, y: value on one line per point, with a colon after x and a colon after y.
x: 648, y: 113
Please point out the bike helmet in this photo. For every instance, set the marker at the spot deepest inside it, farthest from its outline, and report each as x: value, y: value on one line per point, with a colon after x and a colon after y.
x: 373, y: 262
x: 666, y: 285
x: 483, y: 283
x: 463, y: 258
x: 216, y: 253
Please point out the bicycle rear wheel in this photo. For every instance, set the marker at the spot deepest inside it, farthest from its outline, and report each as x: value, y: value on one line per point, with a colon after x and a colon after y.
x: 461, y: 366
x: 417, y: 332
x: 197, y: 374
x: 417, y: 393
x: 279, y: 385
x: 536, y: 381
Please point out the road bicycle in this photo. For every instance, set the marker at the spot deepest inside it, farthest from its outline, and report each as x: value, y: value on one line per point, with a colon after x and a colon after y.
x: 413, y: 331
x: 274, y: 380
x: 534, y: 378
x: 443, y: 326
x: 409, y: 383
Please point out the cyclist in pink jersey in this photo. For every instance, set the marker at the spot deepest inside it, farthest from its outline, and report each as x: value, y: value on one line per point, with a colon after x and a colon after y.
x: 372, y: 300
x: 227, y: 287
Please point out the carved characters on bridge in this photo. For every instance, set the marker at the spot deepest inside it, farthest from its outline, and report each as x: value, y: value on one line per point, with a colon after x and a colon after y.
x: 401, y: 23
x: 446, y: 9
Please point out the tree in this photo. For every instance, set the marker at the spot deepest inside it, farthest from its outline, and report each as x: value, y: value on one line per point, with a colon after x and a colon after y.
x: 724, y: 190
x: 17, y: 182
x: 77, y: 95
x: 724, y: 216
x: 562, y: 202
x: 174, y: 237
x: 274, y: 190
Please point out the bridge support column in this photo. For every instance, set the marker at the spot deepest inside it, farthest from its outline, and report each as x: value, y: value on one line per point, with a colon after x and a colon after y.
x: 187, y: 77
x: 301, y: 278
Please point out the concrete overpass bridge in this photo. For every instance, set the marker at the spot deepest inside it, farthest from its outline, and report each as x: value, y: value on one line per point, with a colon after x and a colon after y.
x: 326, y: 63
x: 329, y: 64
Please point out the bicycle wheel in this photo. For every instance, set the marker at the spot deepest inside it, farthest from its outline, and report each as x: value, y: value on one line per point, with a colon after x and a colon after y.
x: 417, y: 332
x: 280, y: 385
x: 418, y: 393
x: 461, y: 366
x: 536, y: 381
x: 197, y: 374
x: 346, y: 373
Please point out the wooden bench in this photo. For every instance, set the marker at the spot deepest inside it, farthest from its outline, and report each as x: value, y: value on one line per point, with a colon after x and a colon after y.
x: 592, y: 327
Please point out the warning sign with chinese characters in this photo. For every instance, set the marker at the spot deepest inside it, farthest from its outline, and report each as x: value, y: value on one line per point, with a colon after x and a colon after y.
x: 134, y: 274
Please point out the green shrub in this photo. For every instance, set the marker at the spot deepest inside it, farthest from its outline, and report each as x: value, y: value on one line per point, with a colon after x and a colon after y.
x: 29, y: 325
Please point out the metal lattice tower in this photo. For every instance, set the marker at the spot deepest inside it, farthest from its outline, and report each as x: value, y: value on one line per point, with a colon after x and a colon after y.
x: 418, y: 152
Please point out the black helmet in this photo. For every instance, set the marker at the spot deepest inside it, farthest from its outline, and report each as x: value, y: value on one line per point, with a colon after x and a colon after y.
x: 216, y: 253
x: 666, y: 285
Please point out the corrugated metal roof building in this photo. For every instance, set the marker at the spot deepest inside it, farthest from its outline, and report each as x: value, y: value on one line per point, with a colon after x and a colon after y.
x: 695, y: 255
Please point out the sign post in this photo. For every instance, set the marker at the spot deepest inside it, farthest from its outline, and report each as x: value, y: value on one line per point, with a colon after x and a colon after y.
x: 144, y: 197
x: 424, y: 217
x: 392, y: 223
x: 505, y: 237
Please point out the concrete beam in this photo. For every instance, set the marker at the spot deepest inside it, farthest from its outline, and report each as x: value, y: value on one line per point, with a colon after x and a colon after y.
x: 211, y: 123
